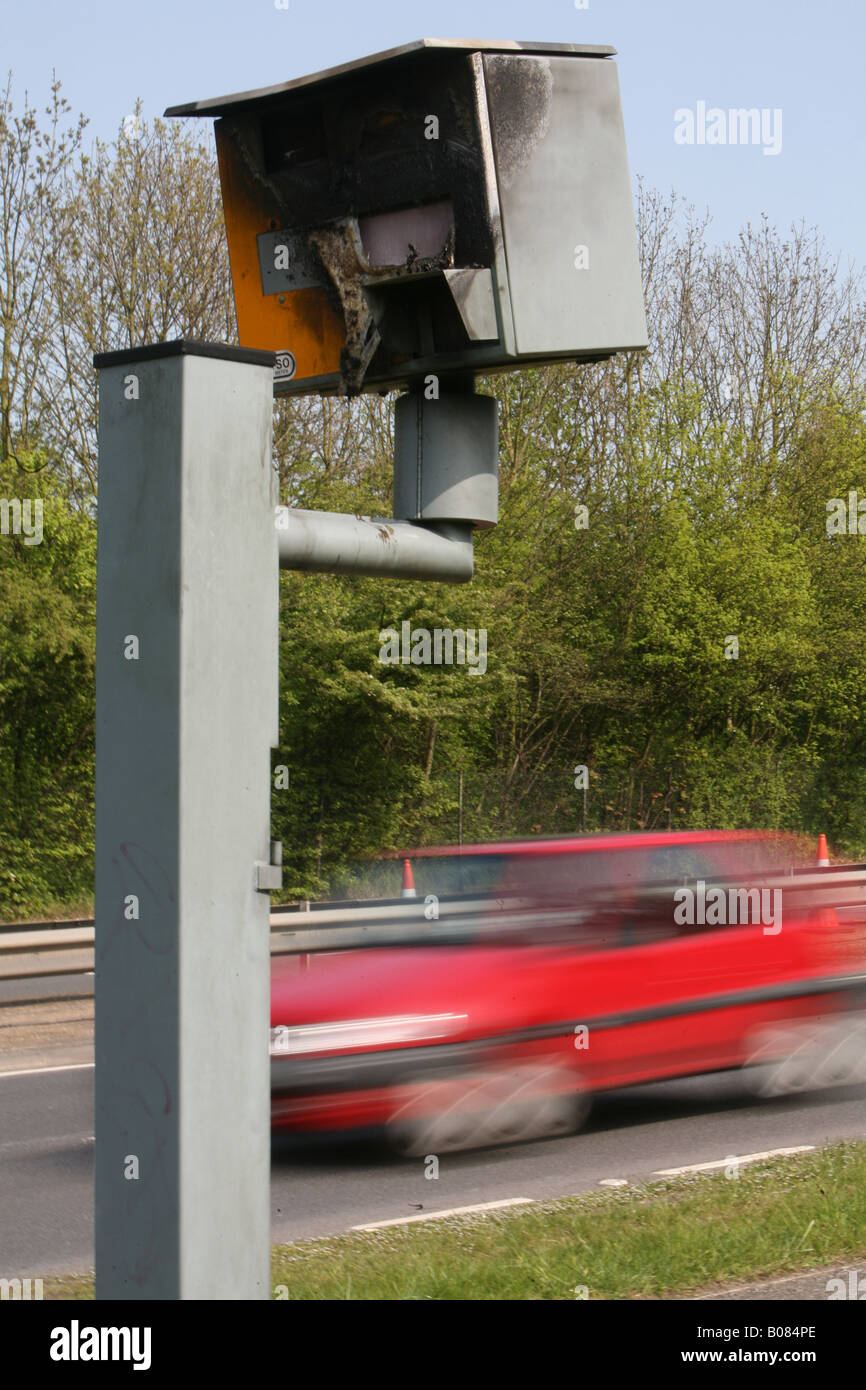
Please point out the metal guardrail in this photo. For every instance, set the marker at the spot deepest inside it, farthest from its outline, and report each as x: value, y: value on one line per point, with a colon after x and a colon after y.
x: 32, y: 950
x: 37, y: 950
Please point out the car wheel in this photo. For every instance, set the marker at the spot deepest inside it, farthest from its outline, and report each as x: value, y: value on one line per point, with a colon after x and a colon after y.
x: 807, y: 1055
x: 493, y: 1106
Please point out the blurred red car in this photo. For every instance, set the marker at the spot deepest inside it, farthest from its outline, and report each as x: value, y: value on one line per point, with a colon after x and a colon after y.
x: 556, y: 968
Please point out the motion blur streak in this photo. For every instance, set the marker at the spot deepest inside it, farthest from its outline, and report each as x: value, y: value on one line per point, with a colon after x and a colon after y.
x: 560, y: 968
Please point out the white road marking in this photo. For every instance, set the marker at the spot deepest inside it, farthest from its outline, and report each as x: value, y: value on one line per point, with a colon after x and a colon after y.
x: 613, y: 1182
x: 40, y: 1071
x: 439, y: 1215
x: 733, y: 1158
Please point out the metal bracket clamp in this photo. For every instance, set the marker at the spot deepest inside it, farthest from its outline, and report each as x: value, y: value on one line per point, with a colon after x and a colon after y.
x: 269, y: 877
x: 445, y: 486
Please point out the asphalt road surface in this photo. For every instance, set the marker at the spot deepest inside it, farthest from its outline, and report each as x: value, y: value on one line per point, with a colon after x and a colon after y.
x: 46, y: 1160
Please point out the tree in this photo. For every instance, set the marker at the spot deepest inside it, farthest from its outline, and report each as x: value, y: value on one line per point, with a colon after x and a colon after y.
x: 144, y: 260
x: 35, y: 165
x: 47, y: 641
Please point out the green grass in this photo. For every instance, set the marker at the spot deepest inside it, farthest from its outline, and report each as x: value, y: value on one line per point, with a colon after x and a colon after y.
x: 673, y: 1236
x: 51, y: 911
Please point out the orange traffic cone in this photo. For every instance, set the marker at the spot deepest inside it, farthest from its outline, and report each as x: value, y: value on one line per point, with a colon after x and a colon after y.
x: 823, y: 854
x: 408, y: 890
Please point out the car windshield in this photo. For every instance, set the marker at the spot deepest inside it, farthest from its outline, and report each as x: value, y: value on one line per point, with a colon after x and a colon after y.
x: 458, y: 874
x: 443, y: 874
x: 578, y: 878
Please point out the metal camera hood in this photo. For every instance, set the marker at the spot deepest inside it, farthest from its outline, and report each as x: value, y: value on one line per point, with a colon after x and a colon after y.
x: 446, y: 208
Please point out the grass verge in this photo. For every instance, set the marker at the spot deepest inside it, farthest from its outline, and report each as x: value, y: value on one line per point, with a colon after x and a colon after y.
x: 664, y: 1238
x: 73, y: 909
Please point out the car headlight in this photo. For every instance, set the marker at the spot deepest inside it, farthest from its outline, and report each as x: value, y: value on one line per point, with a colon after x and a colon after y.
x: 362, y: 1032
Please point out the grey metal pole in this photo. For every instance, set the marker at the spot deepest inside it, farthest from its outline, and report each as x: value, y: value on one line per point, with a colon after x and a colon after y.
x: 186, y: 713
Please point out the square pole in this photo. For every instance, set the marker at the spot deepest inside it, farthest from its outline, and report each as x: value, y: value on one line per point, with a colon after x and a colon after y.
x: 186, y: 715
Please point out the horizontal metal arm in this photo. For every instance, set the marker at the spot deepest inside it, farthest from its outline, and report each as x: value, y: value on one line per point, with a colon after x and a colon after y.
x: 336, y: 543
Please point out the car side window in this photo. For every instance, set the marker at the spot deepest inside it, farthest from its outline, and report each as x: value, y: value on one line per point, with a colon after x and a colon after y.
x: 678, y: 869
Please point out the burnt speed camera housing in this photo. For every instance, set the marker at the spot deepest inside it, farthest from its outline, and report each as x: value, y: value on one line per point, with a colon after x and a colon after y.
x: 446, y: 208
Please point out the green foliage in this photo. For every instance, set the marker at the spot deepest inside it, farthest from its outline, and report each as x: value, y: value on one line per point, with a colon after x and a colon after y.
x: 606, y: 648
x: 47, y: 630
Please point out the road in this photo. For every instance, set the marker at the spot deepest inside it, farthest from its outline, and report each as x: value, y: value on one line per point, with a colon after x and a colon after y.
x: 46, y: 1159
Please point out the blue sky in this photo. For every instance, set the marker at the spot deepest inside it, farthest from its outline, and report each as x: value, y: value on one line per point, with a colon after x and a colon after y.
x: 802, y: 59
